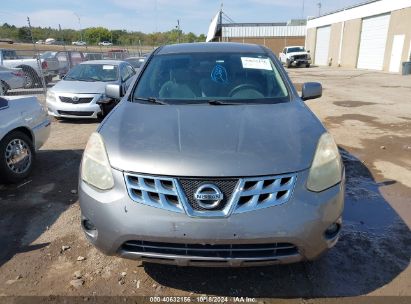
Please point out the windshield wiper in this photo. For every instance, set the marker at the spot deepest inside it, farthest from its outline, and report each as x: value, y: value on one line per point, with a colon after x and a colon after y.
x: 151, y: 100
x: 222, y: 103
x: 88, y: 79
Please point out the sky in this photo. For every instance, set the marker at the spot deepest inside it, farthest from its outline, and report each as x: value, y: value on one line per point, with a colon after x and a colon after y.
x: 157, y: 15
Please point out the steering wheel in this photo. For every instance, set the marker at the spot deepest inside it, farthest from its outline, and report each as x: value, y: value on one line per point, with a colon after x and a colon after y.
x: 242, y: 87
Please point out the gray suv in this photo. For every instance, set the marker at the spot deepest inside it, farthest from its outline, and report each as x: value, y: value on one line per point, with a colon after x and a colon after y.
x: 212, y: 159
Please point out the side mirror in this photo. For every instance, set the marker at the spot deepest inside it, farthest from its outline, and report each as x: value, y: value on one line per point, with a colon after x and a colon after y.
x: 311, y: 90
x: 308, y: 51
x: 113, y: 91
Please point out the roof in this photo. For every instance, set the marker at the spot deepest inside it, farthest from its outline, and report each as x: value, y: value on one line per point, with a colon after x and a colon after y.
x: 104, y: 61
x: 359, y: 11
x: 254, y: 24
x: 345, y: 8
x: 210, y: 47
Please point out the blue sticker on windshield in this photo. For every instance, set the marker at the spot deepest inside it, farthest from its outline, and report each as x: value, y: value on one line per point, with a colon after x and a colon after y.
x: 219, y: 74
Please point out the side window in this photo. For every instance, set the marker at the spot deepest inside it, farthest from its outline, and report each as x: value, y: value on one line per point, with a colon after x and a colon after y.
x: 9, y: 55
x: 131, y: 70
x: 76, y: 58
x: 123, y: 73
x: 62, y: 57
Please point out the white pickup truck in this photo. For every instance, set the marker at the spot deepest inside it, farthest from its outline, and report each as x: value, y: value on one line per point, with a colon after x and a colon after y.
x: 295, y: 55
x: 30, y: 67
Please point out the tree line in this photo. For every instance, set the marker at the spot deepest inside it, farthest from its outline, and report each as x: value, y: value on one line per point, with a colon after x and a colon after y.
x: 93, y: 35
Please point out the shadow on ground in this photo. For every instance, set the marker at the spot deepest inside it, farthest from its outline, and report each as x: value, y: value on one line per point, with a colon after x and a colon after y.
x: 42, y: 197
x: 374, y: 248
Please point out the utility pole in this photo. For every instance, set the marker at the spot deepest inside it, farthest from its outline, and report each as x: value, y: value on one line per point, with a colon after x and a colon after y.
x: 43, y: 81
x: 79, y: 23
x: 302, y: 13
x: 319, y: 8
x: 178, y: 29
x: 220, y: 21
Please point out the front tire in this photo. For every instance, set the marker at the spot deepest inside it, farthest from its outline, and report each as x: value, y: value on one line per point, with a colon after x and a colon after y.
x: 31, y: 78
x: 3, y: 88
x: 307, y: 65
x: 17, y: 155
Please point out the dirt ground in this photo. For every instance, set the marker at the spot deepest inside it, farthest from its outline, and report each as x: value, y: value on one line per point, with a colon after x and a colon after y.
x: 369, y: 114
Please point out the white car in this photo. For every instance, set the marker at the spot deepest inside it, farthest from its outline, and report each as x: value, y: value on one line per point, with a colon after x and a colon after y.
x: 50, y: 41
x: 295, y: 55
x: 81, y: 93
x: 79, y: 43
x: 24, y: 128
x: 105, y: 43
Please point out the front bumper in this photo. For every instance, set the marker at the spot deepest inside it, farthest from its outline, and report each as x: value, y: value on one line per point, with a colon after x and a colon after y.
x: 41, y: 133
x: 298, y: 62
x: 302, y: 221
x: 57, y: 108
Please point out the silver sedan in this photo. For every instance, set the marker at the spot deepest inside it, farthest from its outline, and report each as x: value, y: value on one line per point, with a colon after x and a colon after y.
x: 81, y: 93
x: 24, y: 128
x: 11, y: 79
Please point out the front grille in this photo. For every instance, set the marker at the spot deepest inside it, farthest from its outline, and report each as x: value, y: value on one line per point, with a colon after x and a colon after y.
x: 212, y: 251
x: 160, y: 192
x: 190, y: 185
x: 239, y: 195
x: 76, y: 113
x: 78, y: 101
x: 300, y: 57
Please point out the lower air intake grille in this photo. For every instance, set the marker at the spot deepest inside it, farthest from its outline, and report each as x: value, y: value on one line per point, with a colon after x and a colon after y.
x: 190, y: 186
x: 212, y: 251
x: 76, y: 113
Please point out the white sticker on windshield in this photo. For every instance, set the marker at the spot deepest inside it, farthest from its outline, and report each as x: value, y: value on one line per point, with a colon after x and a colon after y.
x: 256, y: 63
x: 108, y: 67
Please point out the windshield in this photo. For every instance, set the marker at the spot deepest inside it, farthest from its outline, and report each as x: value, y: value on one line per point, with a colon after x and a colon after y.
x: 93, y: 72
x: 296, y: 49
x: 204, y: 77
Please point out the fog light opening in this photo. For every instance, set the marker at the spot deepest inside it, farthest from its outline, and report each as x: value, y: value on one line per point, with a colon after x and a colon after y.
x: 332, y: 231
x: 89, y: 228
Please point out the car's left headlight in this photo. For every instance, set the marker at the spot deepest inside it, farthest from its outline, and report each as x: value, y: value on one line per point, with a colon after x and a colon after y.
x: 51, y: 96
x: 95, y: 167
x: 326, y: 169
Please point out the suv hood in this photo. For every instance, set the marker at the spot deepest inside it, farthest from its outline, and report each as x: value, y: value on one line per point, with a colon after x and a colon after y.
x: 80, y: 87
x: 205, y: 140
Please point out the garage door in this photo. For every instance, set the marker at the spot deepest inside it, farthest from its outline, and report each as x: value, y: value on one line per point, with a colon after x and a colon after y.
x: 372, y: 44
x: 322, y: 45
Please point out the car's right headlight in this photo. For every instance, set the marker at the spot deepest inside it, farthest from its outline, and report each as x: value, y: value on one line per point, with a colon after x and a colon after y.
x: 292, y: 58
x: 95, y: 167
x: 326, y: 169
x: 51, y: 96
